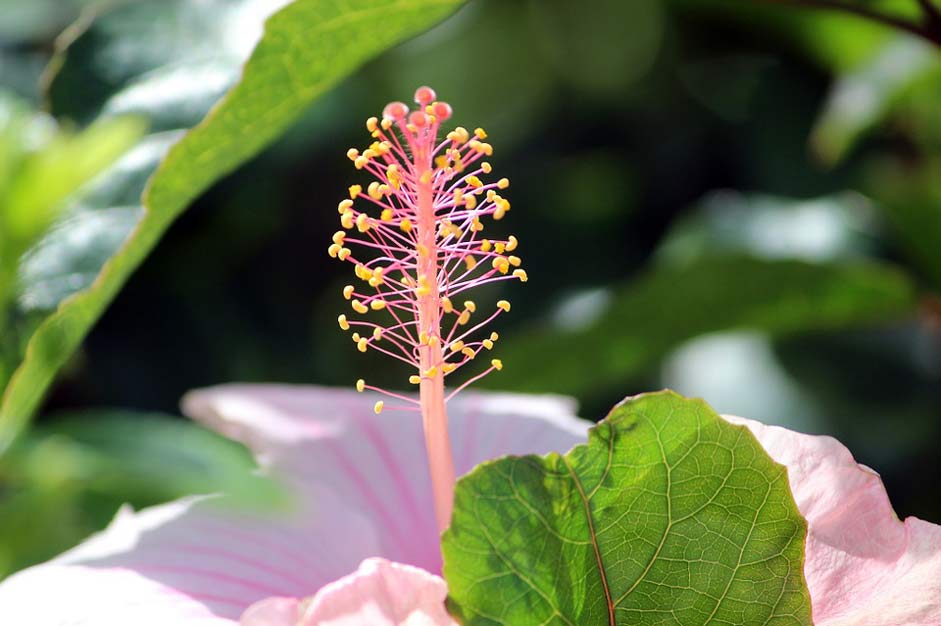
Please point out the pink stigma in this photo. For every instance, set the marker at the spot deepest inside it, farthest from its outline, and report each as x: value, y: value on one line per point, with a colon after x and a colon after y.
x: 417, y: 234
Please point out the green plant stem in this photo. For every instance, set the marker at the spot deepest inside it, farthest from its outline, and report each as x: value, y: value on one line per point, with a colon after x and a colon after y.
x: 929, y: 29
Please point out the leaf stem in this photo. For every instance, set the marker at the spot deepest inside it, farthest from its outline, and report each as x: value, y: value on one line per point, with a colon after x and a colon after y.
x: 929, y: 29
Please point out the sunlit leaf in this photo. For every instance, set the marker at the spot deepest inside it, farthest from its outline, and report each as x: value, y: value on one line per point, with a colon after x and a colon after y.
x: 641, y: 322
x: 862, y: 97
x: 185, y: 58
x: 669, y: 515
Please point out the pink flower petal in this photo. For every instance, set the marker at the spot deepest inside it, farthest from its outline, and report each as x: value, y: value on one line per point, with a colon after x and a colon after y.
x: 864, y: 567
x: 192, y: 562
x: 272, y: 612
x: 377, y: 463
x: 381, y: 593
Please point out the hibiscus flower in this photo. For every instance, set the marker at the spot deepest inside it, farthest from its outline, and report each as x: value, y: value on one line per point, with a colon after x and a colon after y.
x: 360, y: 545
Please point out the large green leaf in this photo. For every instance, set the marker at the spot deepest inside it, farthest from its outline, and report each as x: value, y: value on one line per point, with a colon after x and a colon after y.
x: 669, y: 305
x: 668, y: 516
x: 173, y: 72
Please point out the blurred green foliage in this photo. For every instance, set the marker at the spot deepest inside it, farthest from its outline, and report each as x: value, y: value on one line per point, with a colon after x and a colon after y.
x: 736, y: 198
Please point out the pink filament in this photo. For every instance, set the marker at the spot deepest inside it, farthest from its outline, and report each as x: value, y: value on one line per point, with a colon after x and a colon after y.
x: 421, y: 250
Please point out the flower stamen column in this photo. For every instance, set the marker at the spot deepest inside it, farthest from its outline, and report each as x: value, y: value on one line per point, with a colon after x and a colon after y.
x: 424, y: 249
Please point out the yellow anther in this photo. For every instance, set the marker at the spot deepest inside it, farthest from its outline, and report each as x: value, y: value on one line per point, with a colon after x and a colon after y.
x: 446, y: 305
x: 362, y: 272
x: 463, y: 318
x: 372, y: 124
x: 334, y: 250
x: 511, y: 243
x: 344, y: 254
x: 360, y: 162
x: 471, y: 202
x: 425, y: 178
x: 348, y: 292
x: 485, y: 245
x: 373, y: 191
x: 485, y: 148
x: 434, y: 342
x: 406, y: 225
x: 423, y: 338
x: 501, y: 264
x: 521, y: 274
x: 338, y: 237
x: 377, y: 333
x: 476, y: 225
x: 377, y: 408
x: 359, y: 307
x: 360, y: 385
x: 503, y: 183
x: 415, y: 380
x: 499, y: 214
x: 480, y: 133
x: 486, y: 167
x: 384, y: 147
x: 371, y: 152
x: 503, y: 204
x: 505, y: 305
x: 422, y: 249
x: 441, y: 162
x: 346, y: 220
x: 459, y: 135
x: 491, y: 195
x: 470, y: 262
x: 497, y: 364
x: 499, y: 247
x: 385, y: 124
x: 386, y: 215
x: 470, y: 306
x: 362, y: 223
x: 423, y: 289
x: 431, y: 372
x: 352, y: 153
x: 473, y: 181
x: 447, y: 368
x: 515, y: 261
x: 392, y: 173
x: 344, y: 206
x: 355, y: 190
x: 377, y: 305
x: 344, y: 325
x: 356, y: 337
x: 469, y: 353
x: 457, y: 346
x: 494, y: 336
x: 361, y: 344
x: 487, y: 344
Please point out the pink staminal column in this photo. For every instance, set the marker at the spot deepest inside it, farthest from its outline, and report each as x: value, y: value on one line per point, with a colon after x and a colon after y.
x: 418, y: 227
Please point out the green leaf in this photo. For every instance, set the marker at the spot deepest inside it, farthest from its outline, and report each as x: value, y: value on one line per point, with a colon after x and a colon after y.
x: 668, y: 305
x: 862, y: 97
x: 910, y: 196
x: 192, y: 52
x: 668, y: 516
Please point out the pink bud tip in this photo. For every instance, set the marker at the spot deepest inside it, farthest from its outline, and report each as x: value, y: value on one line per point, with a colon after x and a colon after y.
x: 425, y: 95
x: 442, y: 110
x: 418, y: 119
x: 395, y: 111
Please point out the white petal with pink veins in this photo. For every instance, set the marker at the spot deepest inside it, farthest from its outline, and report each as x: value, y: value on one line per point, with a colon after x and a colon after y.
x: 194, y: 562
x: 377, y: 463
x: 864, y: 566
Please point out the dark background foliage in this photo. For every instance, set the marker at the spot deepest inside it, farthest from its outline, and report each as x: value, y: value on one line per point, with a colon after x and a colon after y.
x: 734, y: 200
